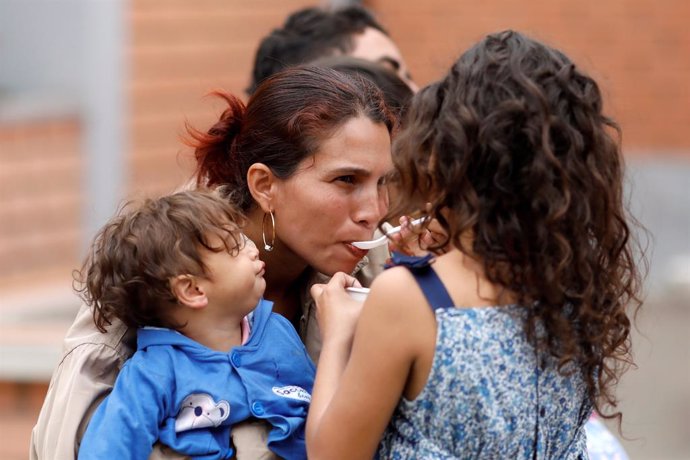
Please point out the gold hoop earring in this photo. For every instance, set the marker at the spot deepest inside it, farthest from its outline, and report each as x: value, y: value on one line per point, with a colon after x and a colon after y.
x: 268, y: 247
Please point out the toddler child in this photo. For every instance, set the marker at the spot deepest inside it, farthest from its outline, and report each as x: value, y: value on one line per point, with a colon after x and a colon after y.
x: 210, y: 352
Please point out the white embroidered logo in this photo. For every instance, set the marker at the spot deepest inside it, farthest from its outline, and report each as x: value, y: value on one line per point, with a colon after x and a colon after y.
x: 293, y: 392
x: 199, y: 410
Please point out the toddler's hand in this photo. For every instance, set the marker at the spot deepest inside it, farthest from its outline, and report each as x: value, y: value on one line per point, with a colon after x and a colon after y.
x: 336, y: 311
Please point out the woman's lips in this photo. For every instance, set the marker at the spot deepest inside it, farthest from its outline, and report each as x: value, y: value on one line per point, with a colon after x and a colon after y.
x: 356, y: 251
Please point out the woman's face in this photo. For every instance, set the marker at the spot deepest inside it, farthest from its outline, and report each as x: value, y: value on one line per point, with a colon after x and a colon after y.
x: 336, y: 197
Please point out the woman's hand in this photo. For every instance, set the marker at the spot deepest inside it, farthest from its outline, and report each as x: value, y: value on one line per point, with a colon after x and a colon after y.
x: 336, y: 312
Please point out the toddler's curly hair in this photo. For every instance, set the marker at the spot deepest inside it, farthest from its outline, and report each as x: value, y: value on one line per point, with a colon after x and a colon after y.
x: 133, y: 257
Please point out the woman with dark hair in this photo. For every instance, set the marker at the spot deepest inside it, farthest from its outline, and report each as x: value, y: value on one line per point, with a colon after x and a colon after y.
x: 306, y: 160
x: 396, y: 92
x: 501, y: 346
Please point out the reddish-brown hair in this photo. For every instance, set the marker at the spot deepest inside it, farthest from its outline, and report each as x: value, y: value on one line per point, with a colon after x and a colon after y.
x: 284, y: 122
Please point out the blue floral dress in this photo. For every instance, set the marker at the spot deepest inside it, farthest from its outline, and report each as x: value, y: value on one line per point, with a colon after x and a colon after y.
x: 489, y: 395
x: 601, y: 443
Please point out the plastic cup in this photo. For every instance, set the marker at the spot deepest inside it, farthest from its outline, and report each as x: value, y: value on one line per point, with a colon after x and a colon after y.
x: 358, y: 293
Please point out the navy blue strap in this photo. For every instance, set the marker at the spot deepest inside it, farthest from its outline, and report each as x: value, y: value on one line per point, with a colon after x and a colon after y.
x: 427, y: 279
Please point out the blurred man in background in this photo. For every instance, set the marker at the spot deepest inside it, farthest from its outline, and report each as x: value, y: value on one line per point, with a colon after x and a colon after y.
x: 314, y: 33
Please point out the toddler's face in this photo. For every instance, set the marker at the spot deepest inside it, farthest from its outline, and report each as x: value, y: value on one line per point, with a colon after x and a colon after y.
x: 236, y: 280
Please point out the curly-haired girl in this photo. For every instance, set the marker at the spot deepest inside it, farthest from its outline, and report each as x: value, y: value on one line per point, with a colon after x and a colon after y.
x: 502, y: 346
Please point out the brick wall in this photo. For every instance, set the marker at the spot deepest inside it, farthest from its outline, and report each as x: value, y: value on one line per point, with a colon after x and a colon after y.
x: 180, y: 50
x: 638, y: 51
x: 21, y: 403
x: 40, y: 232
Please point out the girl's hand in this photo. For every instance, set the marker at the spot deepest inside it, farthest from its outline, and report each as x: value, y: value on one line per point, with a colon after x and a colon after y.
x: 415, y: 241
x: 336, y: 312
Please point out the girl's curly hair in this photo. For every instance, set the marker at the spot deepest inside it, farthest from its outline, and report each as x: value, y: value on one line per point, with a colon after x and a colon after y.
x: 512, y: 147
x: 127, y: 271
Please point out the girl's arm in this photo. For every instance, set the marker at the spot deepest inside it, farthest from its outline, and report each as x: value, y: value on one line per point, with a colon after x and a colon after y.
x: 357, y: 390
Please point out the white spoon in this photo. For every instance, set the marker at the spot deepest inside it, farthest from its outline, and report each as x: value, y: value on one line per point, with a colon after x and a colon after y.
x: 380, y: 241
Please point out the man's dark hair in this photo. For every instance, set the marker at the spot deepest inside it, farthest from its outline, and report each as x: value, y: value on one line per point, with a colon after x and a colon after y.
x: 396, y: 92
x: 309, y: 34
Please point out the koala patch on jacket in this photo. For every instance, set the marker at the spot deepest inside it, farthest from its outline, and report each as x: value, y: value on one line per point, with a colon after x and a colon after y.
x: 199, y: 410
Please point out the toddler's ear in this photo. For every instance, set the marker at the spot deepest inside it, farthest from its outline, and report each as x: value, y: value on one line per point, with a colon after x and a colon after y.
x: 188, y: 291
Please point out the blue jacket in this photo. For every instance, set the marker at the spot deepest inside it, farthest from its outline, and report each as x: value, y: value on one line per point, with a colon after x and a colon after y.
x: 188, y: 396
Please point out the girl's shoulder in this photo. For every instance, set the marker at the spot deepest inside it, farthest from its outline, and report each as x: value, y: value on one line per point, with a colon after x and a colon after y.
x: 397, y: 300
x: 402, y: 270
x: 396, y: 283
x: 429, y: 279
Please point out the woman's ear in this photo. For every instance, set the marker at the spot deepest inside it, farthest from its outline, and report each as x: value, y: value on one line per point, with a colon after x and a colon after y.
x: 261, y: 183
x: 188, y: 291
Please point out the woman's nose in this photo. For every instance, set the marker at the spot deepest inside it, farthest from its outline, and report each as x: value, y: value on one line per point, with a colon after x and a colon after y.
x: 371, y: 207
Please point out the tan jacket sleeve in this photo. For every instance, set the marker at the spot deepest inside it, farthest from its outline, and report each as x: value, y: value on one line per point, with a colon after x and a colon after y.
x: 368, y: 268
x: 88, y: 367
x: 376, y: 259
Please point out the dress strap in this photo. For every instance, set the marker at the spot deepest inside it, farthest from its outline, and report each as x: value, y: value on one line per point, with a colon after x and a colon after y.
x: 427, y: 279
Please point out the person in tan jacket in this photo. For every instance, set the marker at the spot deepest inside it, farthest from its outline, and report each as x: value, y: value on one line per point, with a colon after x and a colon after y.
x: 308, y: 166
x: 90, y: 360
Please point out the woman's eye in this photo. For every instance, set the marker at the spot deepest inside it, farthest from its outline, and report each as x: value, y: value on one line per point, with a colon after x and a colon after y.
x: 346, y: 179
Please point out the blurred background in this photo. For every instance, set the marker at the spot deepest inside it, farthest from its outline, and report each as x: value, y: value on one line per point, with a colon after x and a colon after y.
x: 94, y: 95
